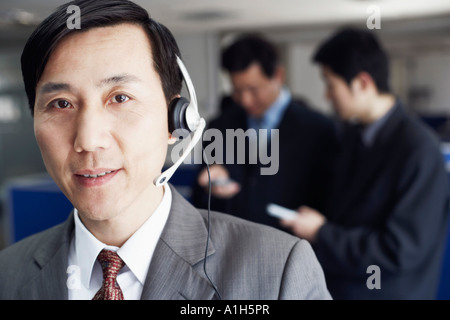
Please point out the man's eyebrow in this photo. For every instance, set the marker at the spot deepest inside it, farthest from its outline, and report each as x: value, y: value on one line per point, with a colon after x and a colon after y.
x: 51, y: 87
x: 118, y: 79
x: 123, y: 78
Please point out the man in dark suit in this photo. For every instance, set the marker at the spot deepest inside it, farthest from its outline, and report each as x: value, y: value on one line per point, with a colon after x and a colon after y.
x: 305, y: 140
x: 382, y: 233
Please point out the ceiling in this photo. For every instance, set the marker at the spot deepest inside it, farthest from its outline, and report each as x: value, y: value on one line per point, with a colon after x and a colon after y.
x: 224, y: 15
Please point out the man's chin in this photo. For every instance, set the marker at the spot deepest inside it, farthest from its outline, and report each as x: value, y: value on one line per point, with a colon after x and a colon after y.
x: 96, y: 211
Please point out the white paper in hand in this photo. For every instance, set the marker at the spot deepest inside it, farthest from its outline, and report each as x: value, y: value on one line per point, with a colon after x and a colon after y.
x: 281, y: 212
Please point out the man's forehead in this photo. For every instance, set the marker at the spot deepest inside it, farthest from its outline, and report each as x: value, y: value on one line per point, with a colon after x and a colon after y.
x: 252, y: 75
x: 113, y: 43
x: 103, y: 37
x: 254, y: 69
x: 328, y: 73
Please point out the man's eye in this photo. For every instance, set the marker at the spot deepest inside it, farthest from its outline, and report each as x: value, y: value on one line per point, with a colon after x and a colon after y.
x: 60, y: 104
x: 120, y: 98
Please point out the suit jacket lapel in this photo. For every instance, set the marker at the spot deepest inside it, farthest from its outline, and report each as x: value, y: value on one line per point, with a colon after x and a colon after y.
x: 50, y: 283
x: 170, y: 277
x: 172, y: 273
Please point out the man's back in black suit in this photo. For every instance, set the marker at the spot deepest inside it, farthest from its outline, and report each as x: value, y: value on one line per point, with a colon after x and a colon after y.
x: 388, y: 209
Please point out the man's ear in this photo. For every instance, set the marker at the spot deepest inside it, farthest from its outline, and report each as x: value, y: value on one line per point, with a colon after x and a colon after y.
x: 172, y: 139
x: 362, y: 82
x: 280, y: 74
x: 174, y: 97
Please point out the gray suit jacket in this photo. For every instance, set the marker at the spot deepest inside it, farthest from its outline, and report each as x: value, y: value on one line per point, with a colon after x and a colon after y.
x: 244, y: 261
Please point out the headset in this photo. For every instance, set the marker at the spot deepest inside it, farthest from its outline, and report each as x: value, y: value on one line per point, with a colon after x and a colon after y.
x: 183, y: 114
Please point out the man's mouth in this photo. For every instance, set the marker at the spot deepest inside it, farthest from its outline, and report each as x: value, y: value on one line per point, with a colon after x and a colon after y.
x: 96, y: 175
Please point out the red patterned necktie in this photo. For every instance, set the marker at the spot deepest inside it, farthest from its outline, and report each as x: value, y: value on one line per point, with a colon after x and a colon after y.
x: 111, y: 265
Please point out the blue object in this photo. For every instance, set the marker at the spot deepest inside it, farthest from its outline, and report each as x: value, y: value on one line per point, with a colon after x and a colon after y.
x: 34, y: 204
x: 444, y: 285
x: 184, y: 179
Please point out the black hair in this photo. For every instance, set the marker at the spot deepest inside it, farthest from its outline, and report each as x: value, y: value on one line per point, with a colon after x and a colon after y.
x: 100, y: 13
x: 249, y: 49
x: 351, y: 51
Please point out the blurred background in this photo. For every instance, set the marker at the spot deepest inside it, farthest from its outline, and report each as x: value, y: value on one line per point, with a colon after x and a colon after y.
x: 415, y: 33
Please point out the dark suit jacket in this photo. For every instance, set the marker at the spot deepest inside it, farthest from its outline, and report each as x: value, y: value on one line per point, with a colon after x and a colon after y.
x: 244, y: 261
x: 307, y: 145
x: 389, y: 208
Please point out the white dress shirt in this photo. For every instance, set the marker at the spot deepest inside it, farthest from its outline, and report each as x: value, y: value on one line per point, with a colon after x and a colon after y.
x: 84, y: 272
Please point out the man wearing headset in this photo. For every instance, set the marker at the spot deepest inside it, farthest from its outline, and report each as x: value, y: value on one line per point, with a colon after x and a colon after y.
x: 99, y: 99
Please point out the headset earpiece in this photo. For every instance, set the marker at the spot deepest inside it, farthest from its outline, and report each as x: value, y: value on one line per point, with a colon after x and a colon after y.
x: 177, y: 114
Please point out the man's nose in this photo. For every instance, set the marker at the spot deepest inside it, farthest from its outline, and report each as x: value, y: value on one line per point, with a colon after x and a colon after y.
x: 92, y: 130
x: 246, y: 99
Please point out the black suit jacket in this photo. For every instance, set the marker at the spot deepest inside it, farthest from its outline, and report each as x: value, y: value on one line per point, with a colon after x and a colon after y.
x: 389, y: 208
x: 307, y: 145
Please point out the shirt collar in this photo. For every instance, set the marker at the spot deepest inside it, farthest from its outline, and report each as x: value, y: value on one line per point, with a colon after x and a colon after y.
x: 136, y: 252
x: 370, y: 132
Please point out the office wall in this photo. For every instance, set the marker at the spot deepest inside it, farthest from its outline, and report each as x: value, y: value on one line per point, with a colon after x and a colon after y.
x: 303, y: 77
x: 429, y: 82
x: 19, y: 154
x: 200, y: 53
